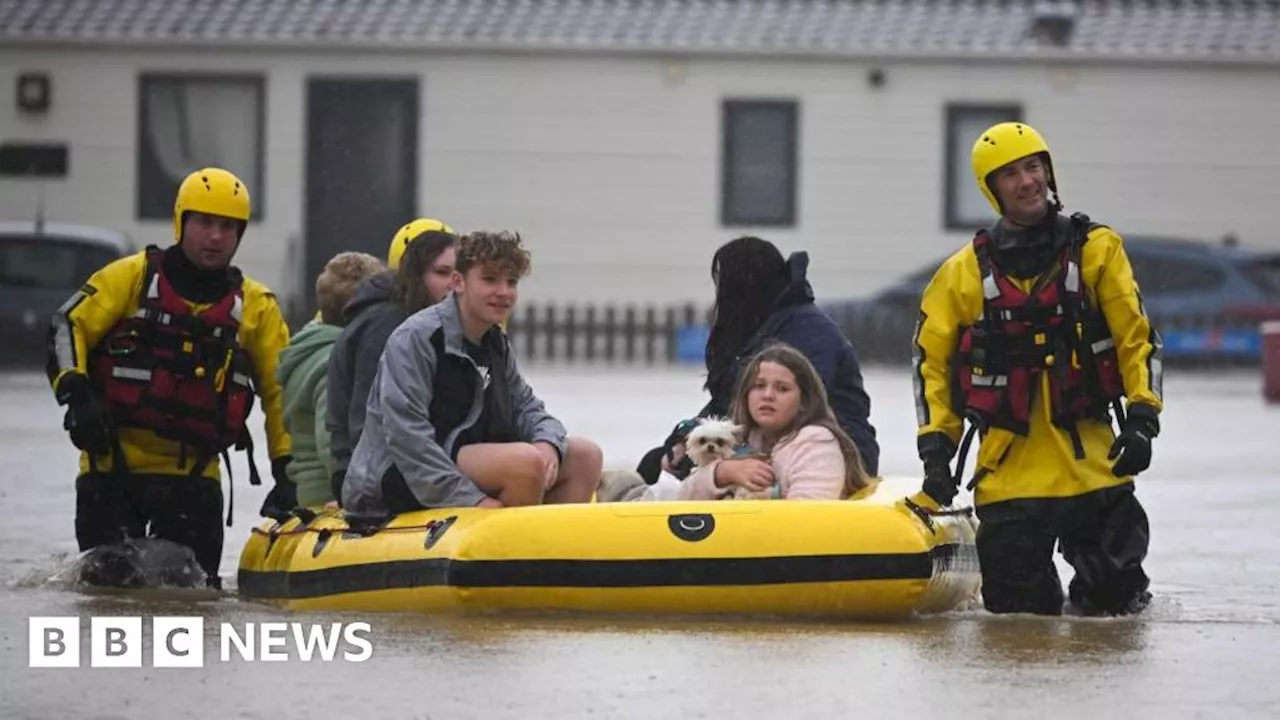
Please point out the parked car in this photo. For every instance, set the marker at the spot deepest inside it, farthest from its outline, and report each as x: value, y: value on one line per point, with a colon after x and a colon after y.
x: 1205, y: 299
x: 41, y: 265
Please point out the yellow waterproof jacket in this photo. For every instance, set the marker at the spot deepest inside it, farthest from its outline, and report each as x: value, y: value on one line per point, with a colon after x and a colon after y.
x: 114, y: 293
x: 1042, y: 464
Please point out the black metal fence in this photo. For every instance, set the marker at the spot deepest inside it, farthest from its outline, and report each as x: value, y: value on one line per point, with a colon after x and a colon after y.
x: 609, y: 333
x: 653, y: 335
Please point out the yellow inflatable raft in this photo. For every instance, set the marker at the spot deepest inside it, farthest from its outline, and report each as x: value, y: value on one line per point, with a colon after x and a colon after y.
x: 865, y: 559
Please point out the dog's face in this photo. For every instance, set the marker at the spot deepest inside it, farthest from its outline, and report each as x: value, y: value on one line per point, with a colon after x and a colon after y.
x: 712, y: 440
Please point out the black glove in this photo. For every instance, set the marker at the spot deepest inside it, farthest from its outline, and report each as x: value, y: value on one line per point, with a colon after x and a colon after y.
x: 1133, y: 445
x: 678, y: 435
x: 283, y: 496
x: 940, y: 484
x: 86, y: 419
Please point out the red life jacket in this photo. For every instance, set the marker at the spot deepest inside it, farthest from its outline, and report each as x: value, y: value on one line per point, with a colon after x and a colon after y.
x: 1055, y: 328
x: 179, y: 374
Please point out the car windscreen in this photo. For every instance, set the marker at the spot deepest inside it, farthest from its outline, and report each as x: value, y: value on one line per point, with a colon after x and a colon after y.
x: 913, y: 284
x: 1265, y: 273
x: 49, y: 262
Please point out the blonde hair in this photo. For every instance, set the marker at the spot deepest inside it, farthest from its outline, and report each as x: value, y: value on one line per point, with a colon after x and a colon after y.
x: 337, y: 283
x: 814, y: 408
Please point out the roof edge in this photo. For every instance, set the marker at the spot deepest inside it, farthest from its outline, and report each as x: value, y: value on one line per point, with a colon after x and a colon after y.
x: 1048, y: 55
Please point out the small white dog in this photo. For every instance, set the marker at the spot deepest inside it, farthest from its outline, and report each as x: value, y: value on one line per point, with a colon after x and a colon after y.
x: 718, y: 439
x: 713, y: 439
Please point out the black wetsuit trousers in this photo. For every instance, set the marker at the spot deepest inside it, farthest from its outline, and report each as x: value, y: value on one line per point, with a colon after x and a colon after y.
x: 178, y: 508
x: 1103, y: 535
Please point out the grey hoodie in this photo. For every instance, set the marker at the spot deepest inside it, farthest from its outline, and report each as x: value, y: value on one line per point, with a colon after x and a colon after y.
x: 401, y: 447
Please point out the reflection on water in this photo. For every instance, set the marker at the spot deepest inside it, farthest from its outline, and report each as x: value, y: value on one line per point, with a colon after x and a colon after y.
x: 1027, y: 642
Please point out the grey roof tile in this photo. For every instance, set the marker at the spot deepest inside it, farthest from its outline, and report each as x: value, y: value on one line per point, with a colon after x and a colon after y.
x: 1175, y: 29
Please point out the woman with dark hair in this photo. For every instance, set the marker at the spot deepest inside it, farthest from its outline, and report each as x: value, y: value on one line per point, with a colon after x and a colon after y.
x: 749, y: 276
x: 425, y: 276
x: 760, y: 299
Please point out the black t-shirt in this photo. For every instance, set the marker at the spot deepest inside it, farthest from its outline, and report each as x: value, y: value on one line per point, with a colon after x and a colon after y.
x: 490, y: 426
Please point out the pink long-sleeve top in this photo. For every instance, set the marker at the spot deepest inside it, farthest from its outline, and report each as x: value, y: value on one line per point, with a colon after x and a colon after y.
x: 810, y: 466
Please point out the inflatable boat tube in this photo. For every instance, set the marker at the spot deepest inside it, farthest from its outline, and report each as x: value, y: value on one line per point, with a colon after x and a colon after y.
x: 859, y: 559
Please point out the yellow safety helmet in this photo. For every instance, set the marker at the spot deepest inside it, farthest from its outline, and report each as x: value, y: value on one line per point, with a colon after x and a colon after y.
x: 214, y: 191
x: 406, y: 234
x: 1002, y: 144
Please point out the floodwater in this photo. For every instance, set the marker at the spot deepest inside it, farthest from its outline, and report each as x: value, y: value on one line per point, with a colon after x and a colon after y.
x: 1206, y: 648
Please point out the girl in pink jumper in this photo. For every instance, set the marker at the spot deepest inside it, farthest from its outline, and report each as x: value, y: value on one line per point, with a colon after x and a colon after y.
x: 781, y: 404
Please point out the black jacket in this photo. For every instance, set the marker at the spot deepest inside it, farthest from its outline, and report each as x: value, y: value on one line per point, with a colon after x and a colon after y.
x: 795, y: 320
x: 371, y: 316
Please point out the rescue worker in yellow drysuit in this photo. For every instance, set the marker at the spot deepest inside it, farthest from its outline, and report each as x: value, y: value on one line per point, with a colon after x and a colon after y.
x: 1033, y: 332
x: 158, y: 358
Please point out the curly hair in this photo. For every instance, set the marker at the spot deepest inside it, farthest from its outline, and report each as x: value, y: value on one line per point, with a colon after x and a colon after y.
x: 501, y: 251
x: 337, y: 283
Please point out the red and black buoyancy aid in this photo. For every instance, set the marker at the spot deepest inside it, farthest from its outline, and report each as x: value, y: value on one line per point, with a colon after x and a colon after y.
x: 179, y: 374
x: 1054, y: 328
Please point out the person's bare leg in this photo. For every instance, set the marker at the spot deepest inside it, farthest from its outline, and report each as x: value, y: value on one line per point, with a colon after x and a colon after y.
x: 579, y: 472
x: 509, y: 472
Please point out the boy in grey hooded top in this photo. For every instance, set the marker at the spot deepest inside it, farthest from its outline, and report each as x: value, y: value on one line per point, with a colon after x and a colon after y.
x: 450, y: 421
x: 423, y: 277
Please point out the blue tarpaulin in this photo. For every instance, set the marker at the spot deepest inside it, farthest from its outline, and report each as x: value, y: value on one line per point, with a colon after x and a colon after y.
x: 691, y: 343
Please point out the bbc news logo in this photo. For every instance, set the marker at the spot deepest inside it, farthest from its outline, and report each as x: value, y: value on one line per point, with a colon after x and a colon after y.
x: 178, y: 642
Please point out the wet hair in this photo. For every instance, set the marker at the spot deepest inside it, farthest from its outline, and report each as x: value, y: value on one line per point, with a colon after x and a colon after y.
x: 814, y: 408
x: 422, y: 251
x: 750, y: 274
x: 337, y: 283
x: 500, y: 251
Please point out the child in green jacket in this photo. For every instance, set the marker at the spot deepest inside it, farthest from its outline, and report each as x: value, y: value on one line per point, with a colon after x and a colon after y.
x: 302, y: 374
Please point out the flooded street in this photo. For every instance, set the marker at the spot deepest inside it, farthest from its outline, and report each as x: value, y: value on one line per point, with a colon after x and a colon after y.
x: 1207, y: 647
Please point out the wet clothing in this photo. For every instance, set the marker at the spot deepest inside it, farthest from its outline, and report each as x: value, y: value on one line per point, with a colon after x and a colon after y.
x: 1055, y: 330
x: 151, y: 505
x: 798, y: 322
x: 180, y: 374
x: 303, y: 374
x: 1050, y: 482
x: 370, y: 318
x: 1043, y: 463
x: 115, y: 293
x: 1104, y: 537
x: 427, y: 396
